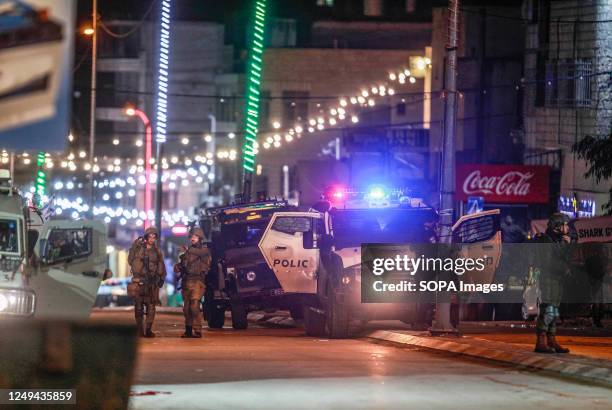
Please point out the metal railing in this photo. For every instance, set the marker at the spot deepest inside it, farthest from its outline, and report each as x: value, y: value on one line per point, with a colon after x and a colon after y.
x: 568, y: 83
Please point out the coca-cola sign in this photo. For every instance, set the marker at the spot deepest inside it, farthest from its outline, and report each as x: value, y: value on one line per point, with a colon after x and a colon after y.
x: 524, y: 184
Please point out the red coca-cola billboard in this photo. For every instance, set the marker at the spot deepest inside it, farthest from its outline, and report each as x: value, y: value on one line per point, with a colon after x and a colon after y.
x: 524, y: 184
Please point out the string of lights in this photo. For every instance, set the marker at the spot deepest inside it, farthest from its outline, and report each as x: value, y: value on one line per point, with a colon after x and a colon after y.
x: 346, y: 107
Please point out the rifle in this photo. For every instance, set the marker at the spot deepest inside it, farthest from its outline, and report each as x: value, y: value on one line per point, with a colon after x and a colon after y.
x: 180, y: 269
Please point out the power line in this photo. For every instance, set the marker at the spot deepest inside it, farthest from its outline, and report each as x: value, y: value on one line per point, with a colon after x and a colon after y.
x: 133, y: 29
x: 529, y: 21
x: 336, y: 97
x: 82, y: 60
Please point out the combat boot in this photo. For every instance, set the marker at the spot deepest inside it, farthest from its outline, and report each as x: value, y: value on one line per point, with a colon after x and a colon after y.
x: 552, y: 342
x: 188, y: 332
x: 149, y: 333
x: 541, y: 345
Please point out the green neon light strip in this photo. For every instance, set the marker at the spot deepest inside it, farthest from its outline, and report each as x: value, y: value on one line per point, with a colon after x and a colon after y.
x: 254, y: 78
x: 41, y: 177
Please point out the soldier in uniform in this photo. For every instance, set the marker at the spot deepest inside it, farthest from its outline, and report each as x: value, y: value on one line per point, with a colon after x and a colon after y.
x: 194, y: 263
x: 147, y: 264
x: 554, y: 264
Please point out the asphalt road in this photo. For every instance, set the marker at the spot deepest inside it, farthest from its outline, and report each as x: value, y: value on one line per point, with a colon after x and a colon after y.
x: 281, y: 368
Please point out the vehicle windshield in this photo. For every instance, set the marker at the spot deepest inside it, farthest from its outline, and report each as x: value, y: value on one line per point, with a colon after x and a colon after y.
x: 241, y: 235
x: 9, y: 242
x: 354, y: 227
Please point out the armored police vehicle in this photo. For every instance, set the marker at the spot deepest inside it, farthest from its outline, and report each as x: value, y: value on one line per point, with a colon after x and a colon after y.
x: 240, y: 280
x: 49, y: 269
x: 316, y: 255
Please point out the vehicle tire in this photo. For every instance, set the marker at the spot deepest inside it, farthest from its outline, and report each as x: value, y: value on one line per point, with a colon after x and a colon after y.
x: 296, y: 312
x: 215, y: 315
x: 314, y: 322
x: 337, y: 319
x: 485, y: 311
x: 239, y: 316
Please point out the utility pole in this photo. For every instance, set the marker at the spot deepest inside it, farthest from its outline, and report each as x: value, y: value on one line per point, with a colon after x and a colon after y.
x: 442, y: 323
x: 92, y: 103
x: 211, y: 146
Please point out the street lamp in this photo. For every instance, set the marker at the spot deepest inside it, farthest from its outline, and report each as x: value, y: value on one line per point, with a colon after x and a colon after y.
x: 134, y: 112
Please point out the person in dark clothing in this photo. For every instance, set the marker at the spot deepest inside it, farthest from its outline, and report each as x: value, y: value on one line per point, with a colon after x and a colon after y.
x: 147, y: 265
x: 553, y: 261
x: 194, y: 264
x: 511, y: 231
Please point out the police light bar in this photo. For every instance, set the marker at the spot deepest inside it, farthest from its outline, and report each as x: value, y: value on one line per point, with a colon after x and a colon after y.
x: 376, y: 196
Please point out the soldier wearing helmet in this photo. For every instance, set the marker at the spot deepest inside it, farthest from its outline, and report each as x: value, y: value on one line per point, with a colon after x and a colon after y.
x: 194, y: 263
x: 147, y: 265
x: 553, y: 261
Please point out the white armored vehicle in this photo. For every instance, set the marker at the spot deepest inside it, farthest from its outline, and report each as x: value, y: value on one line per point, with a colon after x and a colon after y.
x: 49, y: 269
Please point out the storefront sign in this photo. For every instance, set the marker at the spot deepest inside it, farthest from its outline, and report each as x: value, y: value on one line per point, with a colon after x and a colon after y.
x: 523, y: 184
x: 597, y: 229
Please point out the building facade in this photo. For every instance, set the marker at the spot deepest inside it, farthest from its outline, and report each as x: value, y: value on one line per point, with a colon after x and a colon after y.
x: 348, y: 48
x: 568, y: 55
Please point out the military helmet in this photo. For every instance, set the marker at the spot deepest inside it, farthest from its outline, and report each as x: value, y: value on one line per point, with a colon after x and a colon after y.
x: 198, y: 232
x: 151, y: 230
x: 557, y: 219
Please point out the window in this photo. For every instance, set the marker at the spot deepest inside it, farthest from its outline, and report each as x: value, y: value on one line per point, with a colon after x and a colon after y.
x: 325, y: 3
x: 401, y: 109
x: 9, y: 242
x: 568, y: 83
x: 476, y: 230
x: 295, y: 106
x: 241, y: 235
x: 68, y: 244
x: 292, y: 224
x: 353, y: 227
x: 226, y: 109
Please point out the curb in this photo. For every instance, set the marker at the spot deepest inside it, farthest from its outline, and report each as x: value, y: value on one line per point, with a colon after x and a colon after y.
x: 577, y: 367
x: 158, y: 309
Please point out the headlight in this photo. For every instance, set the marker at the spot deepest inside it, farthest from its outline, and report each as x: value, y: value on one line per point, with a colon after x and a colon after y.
x: 250, y: 275
x: 17, y: 302
x: 346, y: 280
x: 3, y: 302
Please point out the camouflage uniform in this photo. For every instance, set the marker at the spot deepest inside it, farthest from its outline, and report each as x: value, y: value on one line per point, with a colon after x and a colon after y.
x: 148, y: 269
x: 193, y: 265
x: 554, y: 263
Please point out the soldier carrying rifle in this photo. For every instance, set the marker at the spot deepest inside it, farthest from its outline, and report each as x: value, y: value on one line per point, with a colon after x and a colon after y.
x: 194, y: 263
x: 147, y: 265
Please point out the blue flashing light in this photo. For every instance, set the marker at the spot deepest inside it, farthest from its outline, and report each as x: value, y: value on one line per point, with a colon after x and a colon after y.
x: 376, y: 193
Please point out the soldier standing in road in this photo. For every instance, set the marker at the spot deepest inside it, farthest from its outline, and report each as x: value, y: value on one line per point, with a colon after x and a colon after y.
x: 554, y: 263
x: 147, y: 264
x: 194, y: 263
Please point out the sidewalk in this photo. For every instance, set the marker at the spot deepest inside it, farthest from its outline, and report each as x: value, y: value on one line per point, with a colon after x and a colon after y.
x: 582, y: 341
x: 590, y: 359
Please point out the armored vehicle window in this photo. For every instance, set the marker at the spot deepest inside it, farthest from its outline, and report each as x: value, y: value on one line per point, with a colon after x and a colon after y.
x: 65, y: 244
x: 292, y: 224
x: 242, y: 235
x: 8, y: 236
x: 476, y: 230
x: 353, y: 227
